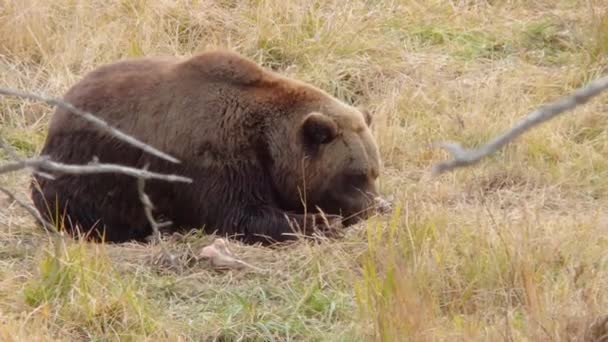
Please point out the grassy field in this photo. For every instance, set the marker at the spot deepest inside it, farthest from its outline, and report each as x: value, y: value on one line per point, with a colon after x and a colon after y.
x: 511, y: 249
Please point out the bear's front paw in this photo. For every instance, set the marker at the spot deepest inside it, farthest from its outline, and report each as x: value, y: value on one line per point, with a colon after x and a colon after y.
x: 383, y: 205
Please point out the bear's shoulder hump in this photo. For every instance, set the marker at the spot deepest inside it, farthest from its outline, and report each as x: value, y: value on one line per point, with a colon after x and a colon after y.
x: 226, y: 66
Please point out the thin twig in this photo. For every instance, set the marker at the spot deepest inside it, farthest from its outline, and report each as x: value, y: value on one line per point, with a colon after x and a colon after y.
x: 466, y: 157
x: 9, y: 149
x: 49, y: 227
x: 93, y: 119
x: 44, y: 163
x: 13, y: 154
x: 148, y: 207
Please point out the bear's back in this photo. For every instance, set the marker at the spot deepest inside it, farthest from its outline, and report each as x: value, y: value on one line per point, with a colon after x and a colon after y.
x: 116, y: 93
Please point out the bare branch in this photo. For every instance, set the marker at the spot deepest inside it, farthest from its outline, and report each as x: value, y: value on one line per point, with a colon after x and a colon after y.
x: 93, y: 119
x: 9, y: 149
x: 148, y: 207
x: 13, y: 154
x: 49, y: 227
x: 466, y: 157
x: 44, y: 163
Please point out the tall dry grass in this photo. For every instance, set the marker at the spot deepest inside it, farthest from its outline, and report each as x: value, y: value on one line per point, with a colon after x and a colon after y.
x: 512, y: 249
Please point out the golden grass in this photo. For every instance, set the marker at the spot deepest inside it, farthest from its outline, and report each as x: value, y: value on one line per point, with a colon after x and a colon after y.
x: 513, y: 249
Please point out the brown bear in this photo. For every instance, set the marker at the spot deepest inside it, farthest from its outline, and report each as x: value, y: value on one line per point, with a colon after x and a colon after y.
x: 265, y: 152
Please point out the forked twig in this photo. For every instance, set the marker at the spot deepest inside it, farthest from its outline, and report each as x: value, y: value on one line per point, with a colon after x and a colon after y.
x: 148, y: 207
x: 49, y: 227
x: 13, y: 155
x: 466, y: 157
x: 9, y: 149
x: 92, y: 119
x: 44, y: 163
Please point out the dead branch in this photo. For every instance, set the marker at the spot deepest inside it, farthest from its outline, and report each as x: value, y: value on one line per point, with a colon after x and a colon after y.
x: 148, y: 207
x: 466, y: 157
x: 9, y: 149
x: 92, y: 119
x: 44, y: 163
x: 13, y: 154
x: 49, y: 227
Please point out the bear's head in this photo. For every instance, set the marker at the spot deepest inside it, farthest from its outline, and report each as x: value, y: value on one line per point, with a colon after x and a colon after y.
x: 327, y: 157
x: 318, y: 151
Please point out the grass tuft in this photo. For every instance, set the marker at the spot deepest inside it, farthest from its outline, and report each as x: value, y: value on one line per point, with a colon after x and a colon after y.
x: 79, y: 286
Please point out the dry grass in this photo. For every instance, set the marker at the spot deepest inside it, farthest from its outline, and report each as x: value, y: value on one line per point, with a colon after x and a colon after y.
x: 513, y: 249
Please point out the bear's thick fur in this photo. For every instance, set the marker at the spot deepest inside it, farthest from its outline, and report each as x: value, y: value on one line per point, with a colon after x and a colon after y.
x: 257, y: 145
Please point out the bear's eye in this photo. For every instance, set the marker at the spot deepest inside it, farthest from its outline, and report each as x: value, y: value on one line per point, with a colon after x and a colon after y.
x: 356, y: 180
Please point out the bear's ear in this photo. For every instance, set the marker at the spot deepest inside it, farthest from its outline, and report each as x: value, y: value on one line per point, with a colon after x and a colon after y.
x: 367, y: 115
x: 319, y: 129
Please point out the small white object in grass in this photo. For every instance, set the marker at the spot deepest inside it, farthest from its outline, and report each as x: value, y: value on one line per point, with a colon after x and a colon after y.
x: 221, y: 257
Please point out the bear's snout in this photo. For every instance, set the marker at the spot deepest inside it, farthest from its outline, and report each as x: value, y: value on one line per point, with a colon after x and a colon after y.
x: 351, y: 196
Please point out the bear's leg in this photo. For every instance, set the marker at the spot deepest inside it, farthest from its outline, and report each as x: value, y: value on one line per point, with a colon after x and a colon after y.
x: 53, y: 207
x: 267, y: 224
x: 89, y: 216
